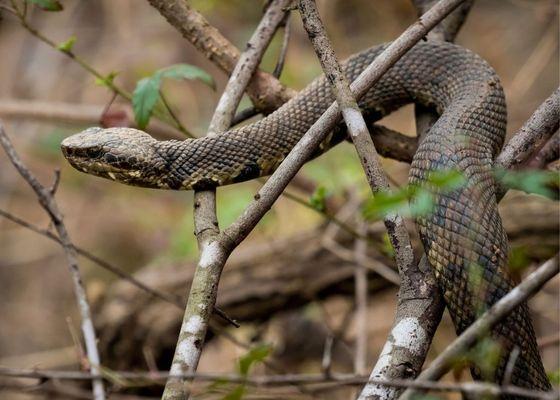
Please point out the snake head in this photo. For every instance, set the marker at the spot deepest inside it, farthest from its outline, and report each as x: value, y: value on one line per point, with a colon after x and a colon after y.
x: 120, y: 154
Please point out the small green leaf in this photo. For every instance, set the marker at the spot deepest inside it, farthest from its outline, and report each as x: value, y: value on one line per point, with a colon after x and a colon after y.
x: 318, y: 199
x: 383, y: 203
x: 421, y: 203
x: 144, y: 99
x: 106, y: 81
x: 447, y: 180
x: 518, y: 259
x: 187, y: 71
x: 67, y: 45
x: 486, y: 356
x: 47, y: 5
x: 532, y: 181
x: 554, y: 376
x: 387, y: 246
x: 255, y: 355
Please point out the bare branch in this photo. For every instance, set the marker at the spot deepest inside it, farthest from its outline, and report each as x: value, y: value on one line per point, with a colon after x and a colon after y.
x: 266, y: 92
x: 46, y: 199
x: 450, y: 26
x: 95, y: 259
x: 533, y: 134
x: 357, y: 128
x: 202, y: 297
x: 503, y: 307
x: 86, y: 114
x: 549, y: 152
x: 284, y: 50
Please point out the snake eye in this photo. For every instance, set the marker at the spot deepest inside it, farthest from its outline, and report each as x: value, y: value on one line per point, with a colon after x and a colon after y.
x: 94, y: 152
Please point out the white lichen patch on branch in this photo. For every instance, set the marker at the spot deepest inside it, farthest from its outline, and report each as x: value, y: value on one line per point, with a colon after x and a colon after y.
x: 193, y: 325
x: 354, y: 121
x: 209, y: 254
x: 407, y: 334
x: 188, y: 354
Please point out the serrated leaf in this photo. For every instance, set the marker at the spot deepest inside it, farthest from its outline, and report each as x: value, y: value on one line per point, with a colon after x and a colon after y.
x: 187, y: 71
x: 47, y: 5
x: 318, y: 199
x: 67, y: 45
x: 144, y: 99
x: 255, y: 355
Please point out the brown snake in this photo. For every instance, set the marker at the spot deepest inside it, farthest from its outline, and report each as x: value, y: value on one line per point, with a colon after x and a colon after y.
x: 463, y: 237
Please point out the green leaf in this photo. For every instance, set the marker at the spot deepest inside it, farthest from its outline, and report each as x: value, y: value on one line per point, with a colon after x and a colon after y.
x: 518, y: 259
x: 255, y: 355
x: 47, y: 5
x: 383, y: 203
x: 187, y: 71
x: 147, y: 92
x: 387, y: 246
x: 554, y: 376
x: 67, y: 45
x: 106, y: 81
x: 144, y: 99
x: 421, y: 203
x: 318, y: 199
x: 486, y: 355
x: 447, y: 180
x: 532, y: 181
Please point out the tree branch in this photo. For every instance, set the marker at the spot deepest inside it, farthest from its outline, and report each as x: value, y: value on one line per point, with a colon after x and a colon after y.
x: 46, y: 199
x: 266, y: 92
x: 533, y: 134
x: 518, y: 295
x: 202, y: 297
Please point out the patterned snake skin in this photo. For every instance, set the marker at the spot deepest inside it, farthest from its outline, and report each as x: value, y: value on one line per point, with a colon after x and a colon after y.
x: 464, y: 238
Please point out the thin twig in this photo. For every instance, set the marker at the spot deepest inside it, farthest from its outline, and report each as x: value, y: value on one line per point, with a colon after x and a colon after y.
x: 157, y: 377
x: 97, y: 260
x: 361, y: 300
x: 107, y: 81
x: 284, y: 50
x: 46, y: 199
x: 501, y: 309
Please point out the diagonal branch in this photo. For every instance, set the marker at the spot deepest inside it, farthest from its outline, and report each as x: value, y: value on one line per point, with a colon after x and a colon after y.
x: 266, y: 92
x: 521, y: 293
x: 420, y: 301
x: 45, y: 197
x: 533, y: 134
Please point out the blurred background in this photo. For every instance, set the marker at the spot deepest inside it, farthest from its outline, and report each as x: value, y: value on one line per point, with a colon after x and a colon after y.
x: 287, y: 278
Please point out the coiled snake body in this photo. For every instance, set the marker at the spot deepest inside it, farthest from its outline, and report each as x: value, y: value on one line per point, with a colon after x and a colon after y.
x: 463, y: 237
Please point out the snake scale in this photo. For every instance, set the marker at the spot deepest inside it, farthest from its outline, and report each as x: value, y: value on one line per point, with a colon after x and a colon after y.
x: 463, y: 237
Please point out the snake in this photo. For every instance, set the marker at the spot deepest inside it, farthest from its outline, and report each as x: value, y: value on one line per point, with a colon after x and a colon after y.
x: 463, y: 235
